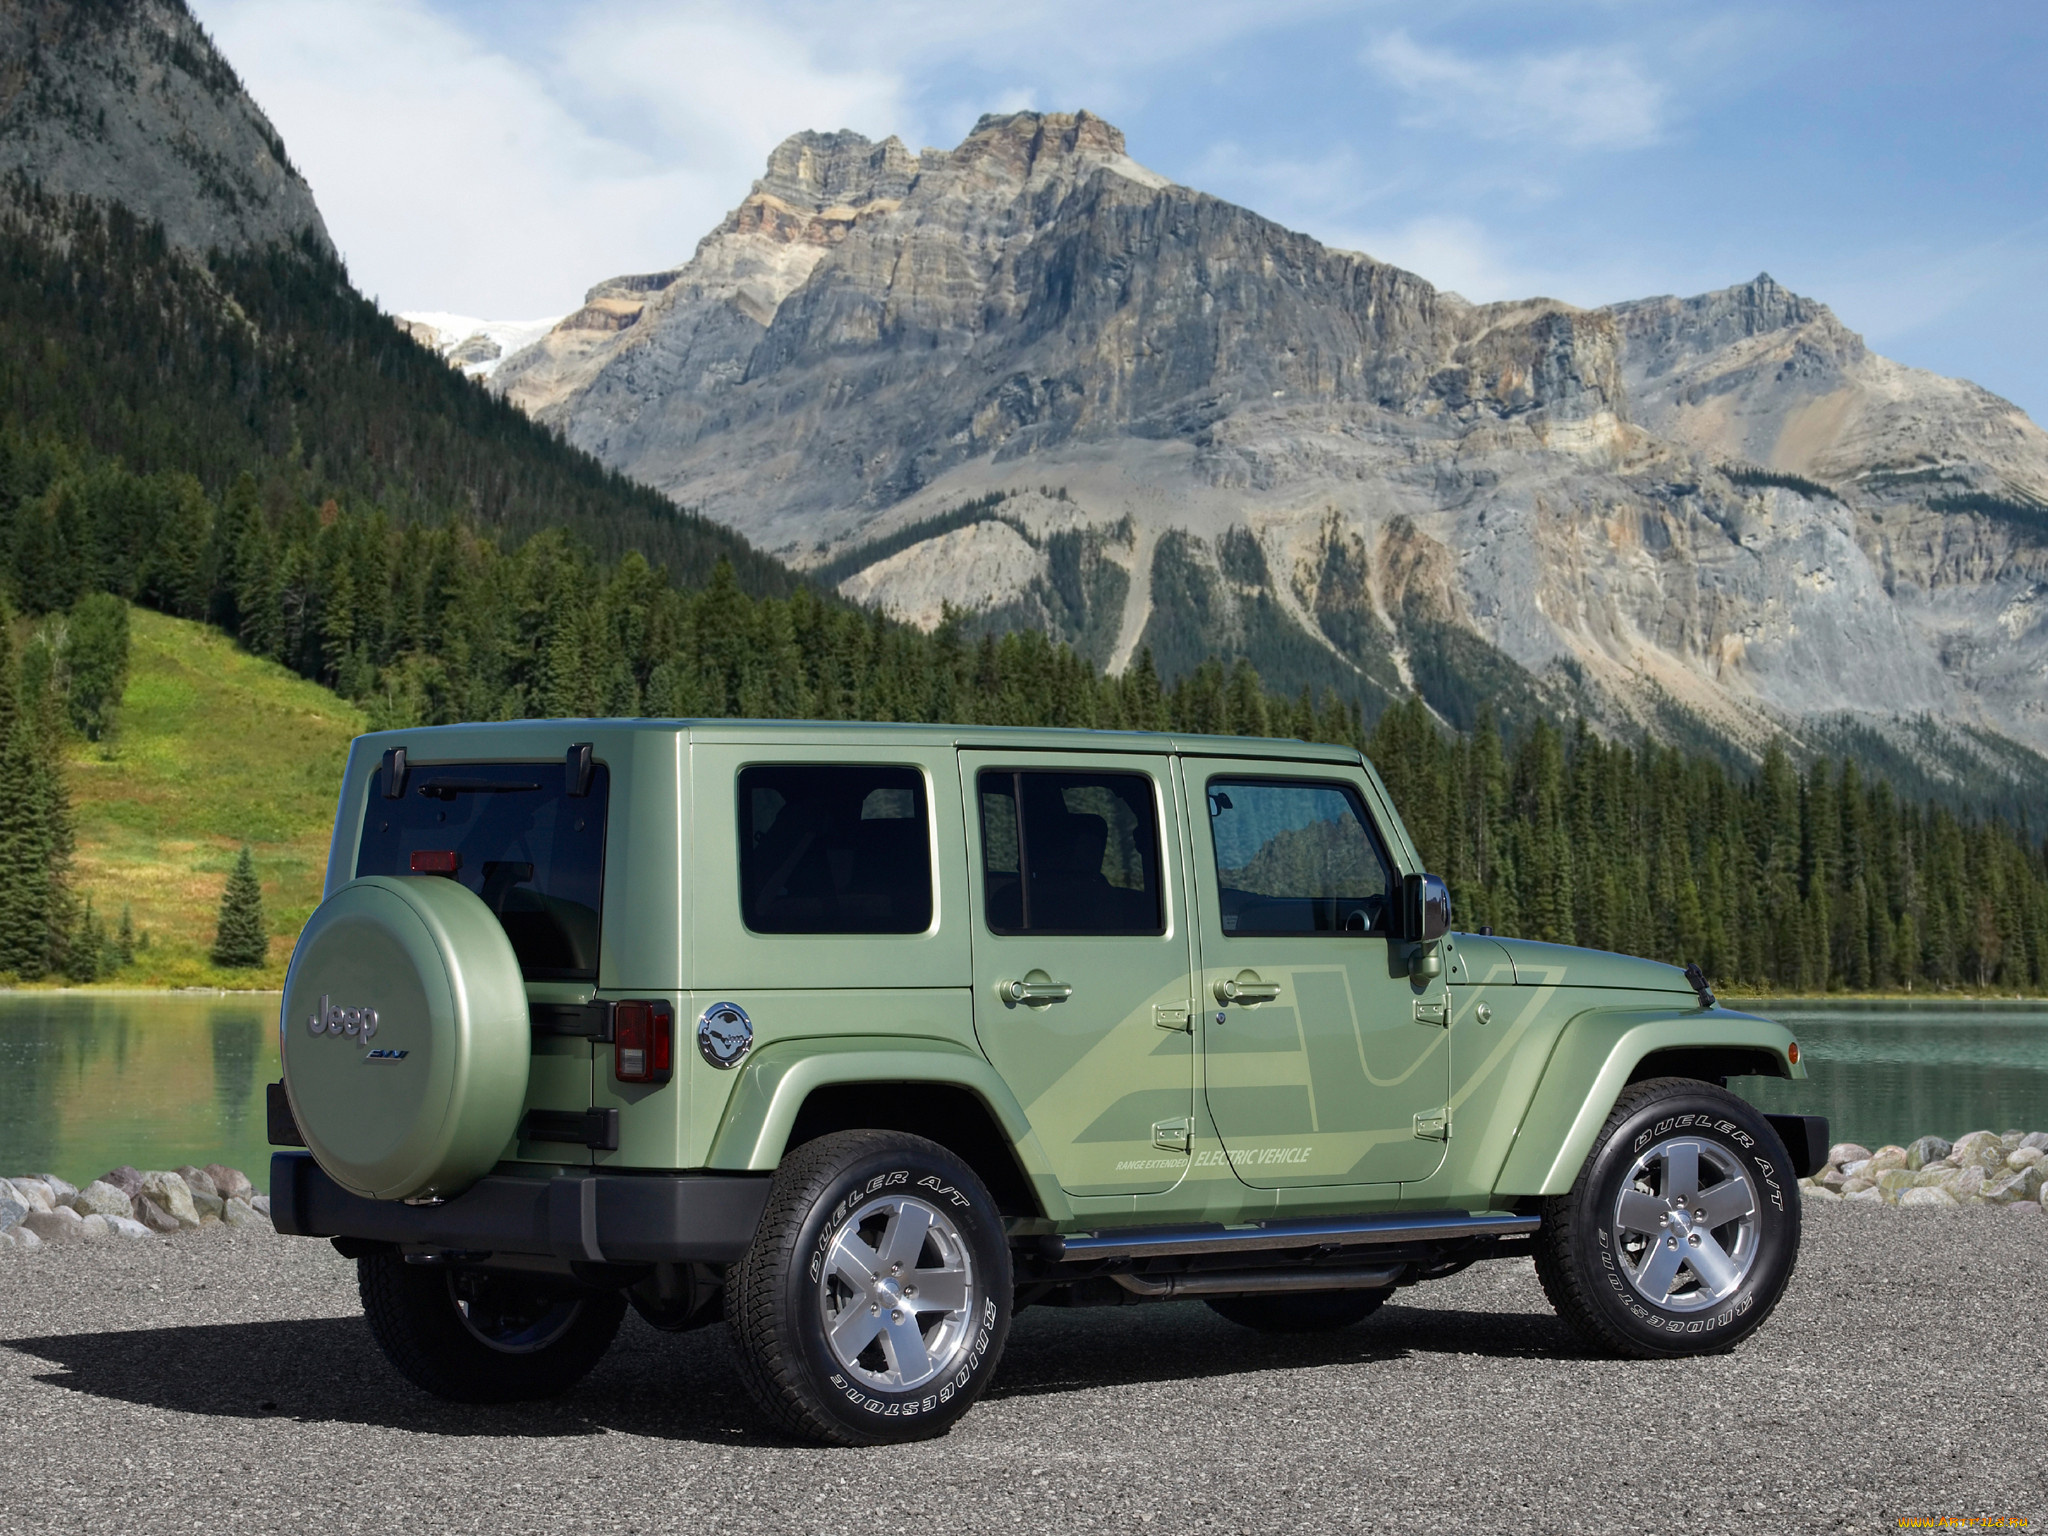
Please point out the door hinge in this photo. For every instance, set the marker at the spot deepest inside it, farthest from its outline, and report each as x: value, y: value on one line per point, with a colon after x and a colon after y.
x: 1168, y: 1017
x: 1170, y: 1135
x: 1433, y: 1125
x: 1438, y: 1012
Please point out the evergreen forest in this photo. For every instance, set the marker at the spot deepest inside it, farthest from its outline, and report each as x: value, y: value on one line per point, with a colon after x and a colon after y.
x: 250, y: 443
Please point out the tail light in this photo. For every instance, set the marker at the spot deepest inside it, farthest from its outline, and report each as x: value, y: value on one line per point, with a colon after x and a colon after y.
x: 436, y: 861
x: 643, y: 1042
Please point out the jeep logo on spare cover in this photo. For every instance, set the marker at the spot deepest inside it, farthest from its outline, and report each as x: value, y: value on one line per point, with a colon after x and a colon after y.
x: 333, y: 1019
x: 1248, y: 1020
x: 725, y: 1034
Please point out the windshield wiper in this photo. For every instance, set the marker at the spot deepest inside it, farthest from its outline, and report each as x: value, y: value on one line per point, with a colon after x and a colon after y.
x: 448, y: 789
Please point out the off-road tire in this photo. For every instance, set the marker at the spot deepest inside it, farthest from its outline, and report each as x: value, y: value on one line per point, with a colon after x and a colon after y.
x: 775, y: 1295
x: 1580, y: 1259
x: 1303, y: 1312
x: 412, y: 1313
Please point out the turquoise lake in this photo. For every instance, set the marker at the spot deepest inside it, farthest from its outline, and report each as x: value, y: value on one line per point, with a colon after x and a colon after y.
x: 88, y: 1081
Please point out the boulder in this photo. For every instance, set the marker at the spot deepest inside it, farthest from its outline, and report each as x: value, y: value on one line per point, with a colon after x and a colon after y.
x: 154, y: 1216
x: 2011, y: 1140
x: 125, y: 1226
x: 1935, y: 1178
x: 2035, y: 1139
x: 2025, y: 1207
x: 2024, y: 1157
x: 124, y: 1178
x: 1821, y: 1193
x: 1969, y: 1182
x: 208, y: 1207
x: 1847, y: 1152
x: 230, y: 1183
x: 60, y: 1192
x: 198, y: 1180
x: 59, y: 1225
x: 240, y: 1213
x: 1870, y: 1194
x: 34, y: 1194
x: 260, y: 1204
x: 171, y: 1194
x: 1979, y: 1147
x: 2036, y: 1176
x: 1857, y: 1187
x: 94, y: 1229
x: 25, y: 1241
x: 11, y: 1209
x: 1830, y: 1178
x: 99, y: 1198
x: 1882, y: 1159
x: 2008, y: 1189
x: 1897, y: 1179
x: 1926, y: 1150
x: 1928, y: 1196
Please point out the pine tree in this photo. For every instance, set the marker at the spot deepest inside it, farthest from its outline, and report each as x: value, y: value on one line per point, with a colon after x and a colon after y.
x: 241, y: 940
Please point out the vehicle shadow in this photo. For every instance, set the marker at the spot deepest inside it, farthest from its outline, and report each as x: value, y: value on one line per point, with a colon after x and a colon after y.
x: 682, y: 1386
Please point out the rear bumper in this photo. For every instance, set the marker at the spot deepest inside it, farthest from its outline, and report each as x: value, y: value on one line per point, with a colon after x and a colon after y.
x: 597, y: 1218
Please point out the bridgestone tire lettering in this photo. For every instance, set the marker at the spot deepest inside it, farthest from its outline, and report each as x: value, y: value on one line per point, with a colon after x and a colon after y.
x: 773, y: 1294
x: 1576, y: 1260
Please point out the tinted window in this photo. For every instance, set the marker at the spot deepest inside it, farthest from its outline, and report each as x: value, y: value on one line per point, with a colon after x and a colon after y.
x: 834, y: 849
x: 533, y: 852
x: 1295, y: 859
x: 1070, y: 853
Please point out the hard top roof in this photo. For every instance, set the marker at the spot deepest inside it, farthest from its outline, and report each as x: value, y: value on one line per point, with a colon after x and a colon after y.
x: 428, y: 741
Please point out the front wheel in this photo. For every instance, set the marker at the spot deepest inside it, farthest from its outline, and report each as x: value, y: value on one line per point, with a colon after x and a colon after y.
x: 873, y: 1303
x: 1681, y: 1232
x: 480, y: 1338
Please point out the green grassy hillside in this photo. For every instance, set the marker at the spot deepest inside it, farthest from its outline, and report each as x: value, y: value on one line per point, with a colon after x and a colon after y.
x: 214, y: 748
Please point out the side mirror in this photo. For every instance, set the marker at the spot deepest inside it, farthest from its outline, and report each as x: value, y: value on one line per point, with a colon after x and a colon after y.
x: 1425, y: 909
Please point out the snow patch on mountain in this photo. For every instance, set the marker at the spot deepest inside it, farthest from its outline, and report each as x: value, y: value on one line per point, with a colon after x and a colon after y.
x: 475, y: 346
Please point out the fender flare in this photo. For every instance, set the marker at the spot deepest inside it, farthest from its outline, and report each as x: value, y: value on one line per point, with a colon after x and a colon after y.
x: 1590, y: 1065
x: 775, y: 1081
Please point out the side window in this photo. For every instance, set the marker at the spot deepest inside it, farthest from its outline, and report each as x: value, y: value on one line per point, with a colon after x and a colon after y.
x: 1294, y: 858
x: 1070, y: 853
x: 834, y: 848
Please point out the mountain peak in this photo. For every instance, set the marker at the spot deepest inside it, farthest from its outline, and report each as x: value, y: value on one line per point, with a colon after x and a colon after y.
x: 131, y: 103
x: 844, y: 169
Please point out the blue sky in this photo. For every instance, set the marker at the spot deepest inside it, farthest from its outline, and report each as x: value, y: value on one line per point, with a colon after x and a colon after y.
x: 1890, y: 159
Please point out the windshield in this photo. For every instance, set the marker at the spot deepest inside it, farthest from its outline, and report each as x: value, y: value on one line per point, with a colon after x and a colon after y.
x: 512, y: 833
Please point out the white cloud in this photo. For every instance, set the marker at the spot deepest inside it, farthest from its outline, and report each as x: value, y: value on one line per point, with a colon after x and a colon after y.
x: 1582, y: 98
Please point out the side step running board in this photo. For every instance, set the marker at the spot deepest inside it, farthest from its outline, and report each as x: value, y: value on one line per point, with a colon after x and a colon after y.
x: 1260, y: 1282
x: 1273, y: 1236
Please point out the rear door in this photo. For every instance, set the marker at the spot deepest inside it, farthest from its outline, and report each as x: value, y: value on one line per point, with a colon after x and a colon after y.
x: 1325, y: 1063
x: 1082, y: 962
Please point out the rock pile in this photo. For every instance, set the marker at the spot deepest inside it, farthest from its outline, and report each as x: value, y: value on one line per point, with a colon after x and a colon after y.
x: 1982, y: 1168
x: 41, y: 1208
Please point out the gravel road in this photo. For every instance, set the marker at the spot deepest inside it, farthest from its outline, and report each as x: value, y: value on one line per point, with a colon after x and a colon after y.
x: 225, y: 1382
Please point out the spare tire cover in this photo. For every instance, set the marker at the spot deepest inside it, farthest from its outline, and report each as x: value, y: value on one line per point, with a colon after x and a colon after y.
x: 406, y: 1037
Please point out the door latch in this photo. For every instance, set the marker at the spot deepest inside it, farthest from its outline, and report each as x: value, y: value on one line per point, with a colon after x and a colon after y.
x: 1438, y: 1012
x: 1169, y: 1017
x: 1170, y: 1135
x: 1433, y: 1125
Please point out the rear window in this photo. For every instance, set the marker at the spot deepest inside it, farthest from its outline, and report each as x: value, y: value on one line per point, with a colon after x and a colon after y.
x: 834, y: 848
x: 1069, y: 853
x: 531, y: 850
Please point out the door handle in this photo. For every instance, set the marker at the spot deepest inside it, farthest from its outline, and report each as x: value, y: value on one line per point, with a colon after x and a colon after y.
x: 1245, y: 987
x: 1034, y: 991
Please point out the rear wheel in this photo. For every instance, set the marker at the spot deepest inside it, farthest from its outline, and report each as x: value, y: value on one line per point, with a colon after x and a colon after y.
x: 1681, y: 1232
x: 1307, y: 1312
x: 874, y: 1301
x: 478, y: 1338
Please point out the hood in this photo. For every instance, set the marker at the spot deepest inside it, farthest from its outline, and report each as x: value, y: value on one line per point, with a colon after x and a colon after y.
x: 1485, y: 958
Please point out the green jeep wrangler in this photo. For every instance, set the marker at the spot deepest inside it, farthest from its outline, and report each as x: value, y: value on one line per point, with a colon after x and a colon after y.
x: 861, y: 1038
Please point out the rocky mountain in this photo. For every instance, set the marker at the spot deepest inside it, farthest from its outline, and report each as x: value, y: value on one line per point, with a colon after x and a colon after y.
x: 1029, y: 378
x: 127, y: 101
